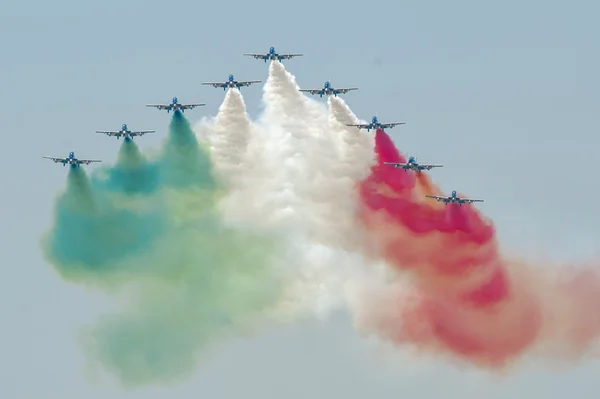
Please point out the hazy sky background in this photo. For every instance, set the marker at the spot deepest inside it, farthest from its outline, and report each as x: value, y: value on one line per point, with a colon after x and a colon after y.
x: 504, y: 94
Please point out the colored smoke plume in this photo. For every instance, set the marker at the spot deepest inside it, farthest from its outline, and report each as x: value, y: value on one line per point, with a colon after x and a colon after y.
x: 191, y: 246
x: 467, y: 299
x: 150, y: 230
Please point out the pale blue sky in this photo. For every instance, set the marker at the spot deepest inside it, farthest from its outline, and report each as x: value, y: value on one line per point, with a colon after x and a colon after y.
x: 504, y: 94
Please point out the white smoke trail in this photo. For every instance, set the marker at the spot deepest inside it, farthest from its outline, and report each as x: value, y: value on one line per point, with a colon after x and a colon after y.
x: 297, y: 179
x: 325, y: 192
x: 266, y: 197
x: 358, y: 155
x: 326, y: 230
x: 229, y: 138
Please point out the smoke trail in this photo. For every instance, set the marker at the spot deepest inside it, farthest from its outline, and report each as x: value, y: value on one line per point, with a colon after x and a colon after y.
x: 468, y: 301
x: 189, y: 280
x: 310, y: 155
x: 255, y: 151
x: 356, y: 158
x: 285, y: 127
x: 239, y: 155
x: 329, y: 158
x: 93, y: 230
x: 278, y: 146
x: 229, y: 136
x: 132, y: 174
x: 357, y: 148
x: 290, y: 184
x: 184, y: 163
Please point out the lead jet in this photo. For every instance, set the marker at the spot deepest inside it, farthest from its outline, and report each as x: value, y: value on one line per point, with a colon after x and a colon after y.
x: 174, y: 106
x: 454, y: 199
x: 375, y: 125
x: 231, y: 83
x: 412, y: 165
x: 272, y: 55
x: 72, y: 160
x: 327, y: 90
x: 124, y: 132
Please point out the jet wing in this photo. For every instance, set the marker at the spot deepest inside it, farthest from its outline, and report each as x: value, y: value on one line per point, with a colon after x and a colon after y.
x: 288, y: 56
x: 257, y: 56
x: 397, y: 165
x: 248, y: 82
x: 346, y: 90
x: 191, y: 106
x: 214, y: 84
x: 109, y: 133
x: 57, y: 160
x: 159, y: 106
x: 360, y: 125
x: 311, y: 91
x: 141, y: 132
x: 390, y: 125
x: 87, y: 161
x: 437, y: 198
x: 429, y: 167
x: 470, y: 201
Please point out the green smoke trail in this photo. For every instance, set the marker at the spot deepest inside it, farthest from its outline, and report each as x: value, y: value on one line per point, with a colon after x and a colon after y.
x: 154, y: 227
x: 97, y: 223
x: 184, y: 163
x: 133, y: 173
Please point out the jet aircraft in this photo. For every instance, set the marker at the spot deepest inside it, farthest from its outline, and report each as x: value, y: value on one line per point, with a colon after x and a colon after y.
x: 231, y: 83
x: 125, y: 132
x: 72, y: 160
x: 328, y: 90
x: 454, y: 199
x: 174, y: 106
x: 272, y: 55
x: 412, y: 164
x: 375, y: 124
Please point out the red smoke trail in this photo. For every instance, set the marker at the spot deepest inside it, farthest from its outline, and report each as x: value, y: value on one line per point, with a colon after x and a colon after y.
x: 468, y: 300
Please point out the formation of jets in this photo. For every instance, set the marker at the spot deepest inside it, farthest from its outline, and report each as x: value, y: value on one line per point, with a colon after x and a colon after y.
x: 413, y: 165
x: 232, y: 83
